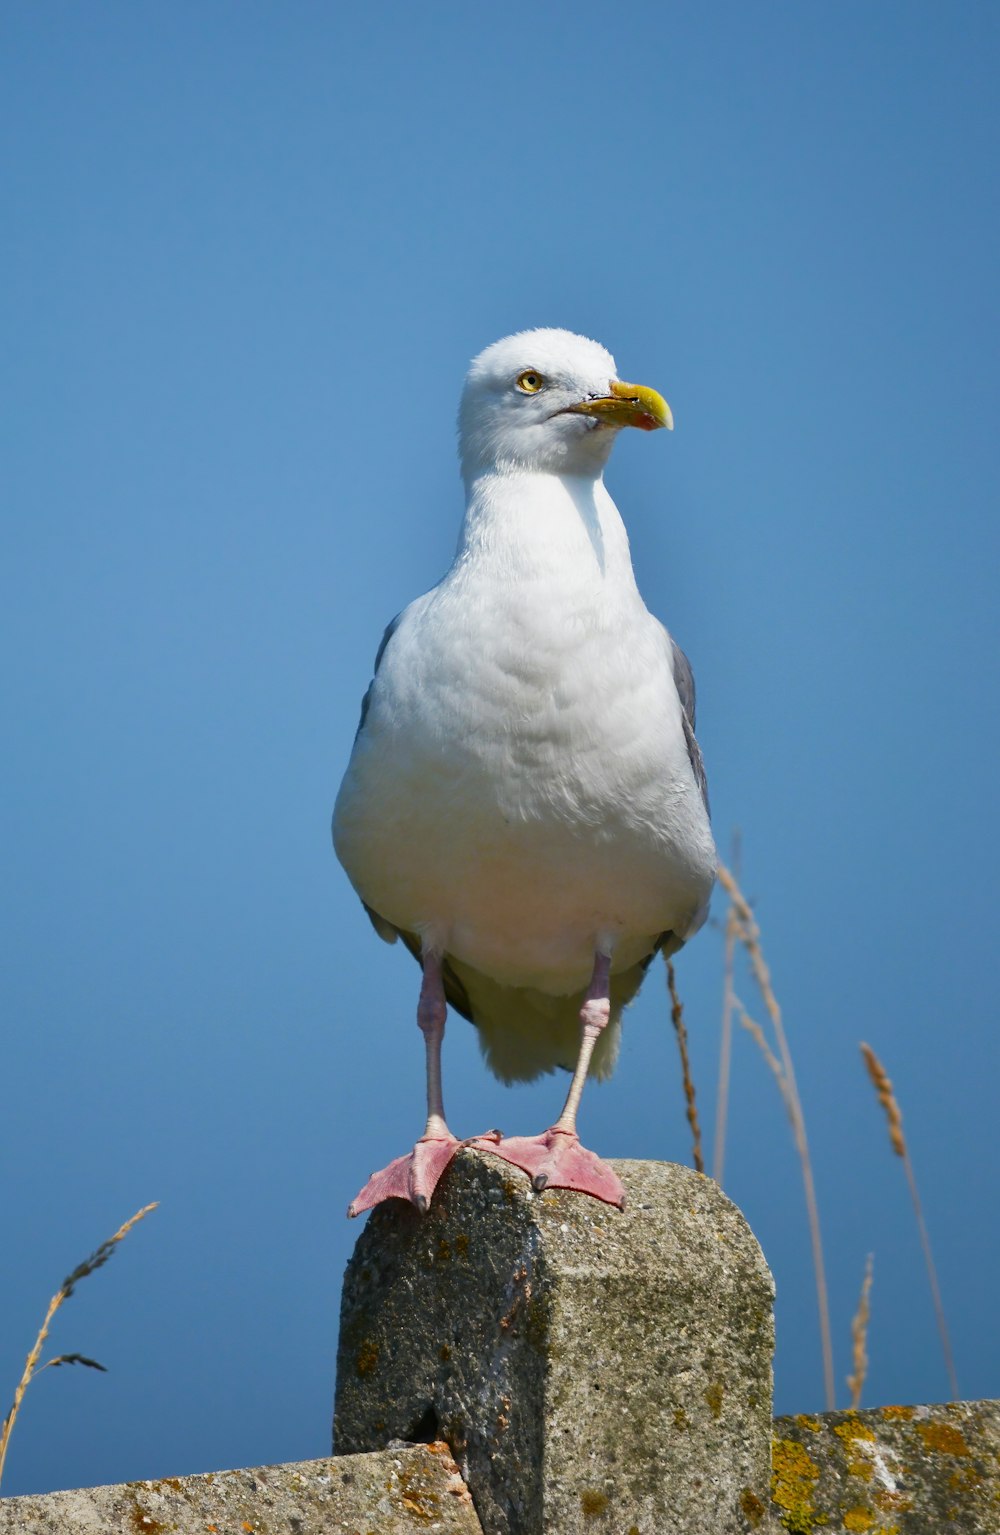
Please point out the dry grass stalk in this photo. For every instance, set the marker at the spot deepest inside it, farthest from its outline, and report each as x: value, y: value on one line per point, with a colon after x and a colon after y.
x: 680, y: 1029
x: 859, y: 1337
x: 96, y: 1260
x: 726, y: 1032
x: 882, y: 1083
x: 725, y: 1047
x: 749, y: 935
x: 758, y: 1036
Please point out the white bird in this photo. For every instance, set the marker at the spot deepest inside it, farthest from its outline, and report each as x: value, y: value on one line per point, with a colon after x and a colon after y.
x: 525, y: 803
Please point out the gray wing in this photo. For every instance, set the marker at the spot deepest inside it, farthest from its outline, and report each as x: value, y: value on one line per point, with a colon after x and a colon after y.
x: 684, y: 683
x: 382, y: 927
x: 390, y: 630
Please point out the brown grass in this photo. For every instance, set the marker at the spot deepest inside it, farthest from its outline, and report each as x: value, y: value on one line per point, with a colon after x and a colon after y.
x: 859, y: 1337
x: 725, y: 1047
x: 748, y: 934
x: 680, y: 1029
x: 96, y: 1260
x: 882, y: 1083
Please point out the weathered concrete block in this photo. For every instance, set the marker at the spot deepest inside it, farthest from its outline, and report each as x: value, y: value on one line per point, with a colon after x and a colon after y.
x: 399, y: 1492
x: 592, y: 1370
x: 890, y: 1471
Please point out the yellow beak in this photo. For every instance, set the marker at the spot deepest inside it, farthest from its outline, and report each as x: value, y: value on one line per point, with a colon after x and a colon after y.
x: 628, y: 405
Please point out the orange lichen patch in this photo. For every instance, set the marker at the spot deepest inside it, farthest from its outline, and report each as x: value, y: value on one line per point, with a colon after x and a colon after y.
x: 941, y: 1436
x: 417, y: 1497
x: 248, y: 1527
x: 857, y: 1520
x: 853, y: 1428
x: 793, y: 1476
x: 854, y: 1434
x: 803, y: 1420
x: 897, y: 1412
x: 143, y: 1523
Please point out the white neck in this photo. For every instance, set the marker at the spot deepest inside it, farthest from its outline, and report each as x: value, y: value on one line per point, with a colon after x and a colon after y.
x: 526, y: 523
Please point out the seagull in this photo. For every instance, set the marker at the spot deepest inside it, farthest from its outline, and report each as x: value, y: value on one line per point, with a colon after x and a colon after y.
x: 525, y: 805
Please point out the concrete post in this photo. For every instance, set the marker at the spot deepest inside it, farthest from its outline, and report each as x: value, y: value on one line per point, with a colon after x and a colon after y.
x: 592, y: 1370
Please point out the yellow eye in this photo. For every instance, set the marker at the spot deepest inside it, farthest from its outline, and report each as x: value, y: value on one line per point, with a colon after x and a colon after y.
x: 530, y: 382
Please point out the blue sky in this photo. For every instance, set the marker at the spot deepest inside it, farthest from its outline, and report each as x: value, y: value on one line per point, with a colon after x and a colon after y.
x: 247, y: 254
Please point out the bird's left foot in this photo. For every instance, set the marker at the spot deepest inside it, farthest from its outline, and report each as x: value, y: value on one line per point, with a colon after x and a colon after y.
x: 556, y: 1160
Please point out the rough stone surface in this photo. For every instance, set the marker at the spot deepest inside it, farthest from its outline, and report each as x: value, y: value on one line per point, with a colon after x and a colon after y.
x: 890, y: 1471
x: 412, y: 1491
x: 592, y: 1370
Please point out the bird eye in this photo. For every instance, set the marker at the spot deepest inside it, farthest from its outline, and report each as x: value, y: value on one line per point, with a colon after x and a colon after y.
x: 530, y: 382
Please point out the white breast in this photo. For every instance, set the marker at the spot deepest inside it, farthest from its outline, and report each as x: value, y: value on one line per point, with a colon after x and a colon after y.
x: 521, y: 792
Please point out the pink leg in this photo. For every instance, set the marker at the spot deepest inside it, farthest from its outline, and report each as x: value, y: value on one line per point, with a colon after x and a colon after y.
x: 415, y: 1176
x: 556, y: 1159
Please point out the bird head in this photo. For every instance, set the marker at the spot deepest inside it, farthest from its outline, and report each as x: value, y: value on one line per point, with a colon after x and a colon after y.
x: 549, y: 401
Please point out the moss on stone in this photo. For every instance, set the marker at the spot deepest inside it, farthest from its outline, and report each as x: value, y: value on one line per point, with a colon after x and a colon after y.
x: 751, y: 1507
x: 594, y: 1502
x: 367, y: 1357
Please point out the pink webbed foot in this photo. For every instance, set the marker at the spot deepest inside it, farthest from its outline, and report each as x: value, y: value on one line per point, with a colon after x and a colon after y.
x: 413, y: 1177
x: 556, y: 1160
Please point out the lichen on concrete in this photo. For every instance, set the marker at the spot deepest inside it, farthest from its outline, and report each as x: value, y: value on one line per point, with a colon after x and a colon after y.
x: 890, y: 1471
x: 594, y: 1371
x: 410, y: 1491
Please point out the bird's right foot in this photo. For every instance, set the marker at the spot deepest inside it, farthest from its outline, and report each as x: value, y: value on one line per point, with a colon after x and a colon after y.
x: 413, y: 1177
